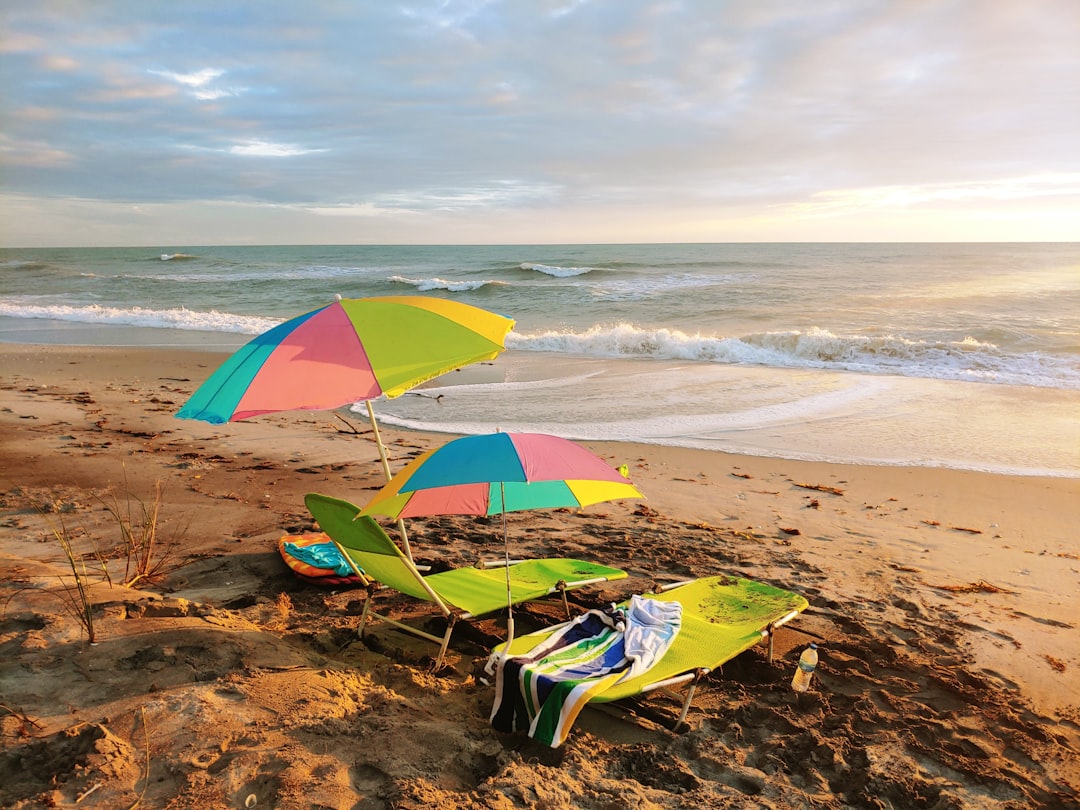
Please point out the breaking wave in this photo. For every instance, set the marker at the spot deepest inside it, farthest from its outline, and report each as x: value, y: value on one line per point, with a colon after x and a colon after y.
x: 968, y: 359
x: 180, y: 318
x: 555, y: 270
x: 428, y: 284
x: 257, y: 274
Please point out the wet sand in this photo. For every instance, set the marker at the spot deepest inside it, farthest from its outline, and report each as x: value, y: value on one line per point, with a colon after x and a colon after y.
x: 944, y: 604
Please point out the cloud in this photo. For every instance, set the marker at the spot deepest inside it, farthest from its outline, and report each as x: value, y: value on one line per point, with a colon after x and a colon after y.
x: 265, y: 149
x: 361, y: 210
x: 33, y: 154
x: 59, y: 62
x: 1044, y: 187
x: 198, y: 81
x: 195, y: 79
x: 694, y: 111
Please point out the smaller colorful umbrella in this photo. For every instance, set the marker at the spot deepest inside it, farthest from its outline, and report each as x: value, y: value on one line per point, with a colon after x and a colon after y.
x: 498, y: 473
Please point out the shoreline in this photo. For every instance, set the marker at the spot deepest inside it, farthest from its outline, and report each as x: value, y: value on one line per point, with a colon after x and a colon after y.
x: 917, y: 577
x: 1054, y: 405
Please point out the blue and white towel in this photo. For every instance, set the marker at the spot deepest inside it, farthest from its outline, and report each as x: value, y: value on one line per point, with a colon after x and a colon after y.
x: 543, y: 691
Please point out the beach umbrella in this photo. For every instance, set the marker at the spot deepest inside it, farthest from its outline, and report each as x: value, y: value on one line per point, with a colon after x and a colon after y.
x: 352, y: 350
x: 496, y: 473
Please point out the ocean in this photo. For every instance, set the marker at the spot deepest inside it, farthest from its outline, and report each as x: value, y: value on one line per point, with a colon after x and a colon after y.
x: 941, y: 355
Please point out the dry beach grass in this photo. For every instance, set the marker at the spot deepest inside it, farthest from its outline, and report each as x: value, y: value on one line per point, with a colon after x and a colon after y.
x: 944, y: 603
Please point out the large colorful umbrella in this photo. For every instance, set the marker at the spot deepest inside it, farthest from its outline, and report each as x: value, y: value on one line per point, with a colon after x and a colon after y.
x: 498, y: 473
x: 352, y: 350
x: 349, y: 351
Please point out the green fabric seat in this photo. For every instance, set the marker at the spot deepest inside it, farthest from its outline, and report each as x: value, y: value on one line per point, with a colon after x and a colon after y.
x: 460, y: 593
x: 721, y: 618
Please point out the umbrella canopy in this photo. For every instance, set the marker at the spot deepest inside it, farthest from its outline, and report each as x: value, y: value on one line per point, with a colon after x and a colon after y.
x: 352, y: 350
x: 497, y: 473
x: 349, y: 351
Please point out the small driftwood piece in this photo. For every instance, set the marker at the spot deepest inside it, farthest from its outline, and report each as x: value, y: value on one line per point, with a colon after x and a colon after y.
x: 982, y: 586
x: 821, y: 488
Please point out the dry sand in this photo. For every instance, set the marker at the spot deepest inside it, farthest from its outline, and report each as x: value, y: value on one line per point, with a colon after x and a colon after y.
x: 945, y: 604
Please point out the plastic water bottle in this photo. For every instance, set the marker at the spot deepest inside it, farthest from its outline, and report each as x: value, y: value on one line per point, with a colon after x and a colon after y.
x: 800, y: 682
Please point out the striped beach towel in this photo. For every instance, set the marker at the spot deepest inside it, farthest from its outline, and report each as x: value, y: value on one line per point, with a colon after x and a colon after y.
x: 543, y: 691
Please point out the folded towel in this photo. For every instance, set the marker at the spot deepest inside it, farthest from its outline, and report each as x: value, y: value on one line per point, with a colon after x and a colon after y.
x: 321, y: 555
x: 543, y: 691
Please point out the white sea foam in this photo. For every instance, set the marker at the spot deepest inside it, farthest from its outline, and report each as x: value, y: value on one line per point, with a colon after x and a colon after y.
x: 428, y: 284
x: 271, y: 275
x: 789, y: 413
x: 966, y: 359
x: 555, y: 270
x: 179, y: 318
x: 486, y: 389
x: 522, y: 414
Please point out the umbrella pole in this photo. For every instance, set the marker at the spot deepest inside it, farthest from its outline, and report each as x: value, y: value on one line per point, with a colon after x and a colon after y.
x: 386, y: 472
x: 506, y: 551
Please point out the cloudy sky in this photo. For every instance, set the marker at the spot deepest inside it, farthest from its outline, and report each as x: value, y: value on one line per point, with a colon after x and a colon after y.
x: 126, y: 122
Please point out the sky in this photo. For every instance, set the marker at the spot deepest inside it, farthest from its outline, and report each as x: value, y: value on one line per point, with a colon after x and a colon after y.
x: 139, y: 122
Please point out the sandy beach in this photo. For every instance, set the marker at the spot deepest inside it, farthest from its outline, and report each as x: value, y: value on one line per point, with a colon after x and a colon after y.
x: 944, y: 603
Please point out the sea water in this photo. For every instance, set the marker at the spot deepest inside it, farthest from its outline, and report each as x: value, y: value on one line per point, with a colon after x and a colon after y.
x: 955, y: 355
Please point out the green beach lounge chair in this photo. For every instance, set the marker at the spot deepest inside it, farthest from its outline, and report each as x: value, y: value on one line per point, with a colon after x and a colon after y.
x: 461, y: 593
x: 716, y: 619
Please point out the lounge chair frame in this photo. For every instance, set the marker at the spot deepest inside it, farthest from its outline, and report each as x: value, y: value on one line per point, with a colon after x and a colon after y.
x: 451, y: 615
x: 691, y: 677
x: 695, y: 677
x: 337, y: 524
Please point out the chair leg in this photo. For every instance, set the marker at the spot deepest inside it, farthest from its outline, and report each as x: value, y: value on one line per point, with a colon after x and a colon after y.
x: 562, y: 591
x: 450, y: 622
x: 770, y: 631
x: 691, y: 690
x: 364, y: 614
